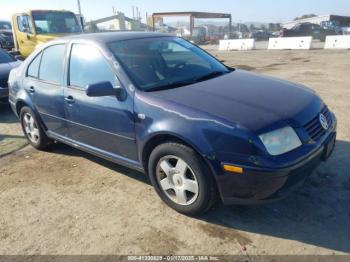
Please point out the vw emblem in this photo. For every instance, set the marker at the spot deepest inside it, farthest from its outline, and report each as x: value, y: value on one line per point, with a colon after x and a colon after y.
x: 323, y: 121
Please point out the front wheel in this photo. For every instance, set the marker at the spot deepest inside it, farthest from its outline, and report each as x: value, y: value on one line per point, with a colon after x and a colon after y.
x: 182, y: 179
x: 32, y: 129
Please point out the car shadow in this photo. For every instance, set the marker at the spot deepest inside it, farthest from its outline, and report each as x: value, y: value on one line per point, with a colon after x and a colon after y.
x: 317, y: 214
x: 6, y: 114
x: 59, y: 148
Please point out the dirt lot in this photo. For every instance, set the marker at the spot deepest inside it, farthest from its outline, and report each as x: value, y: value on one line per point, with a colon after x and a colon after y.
x: 68, y: 202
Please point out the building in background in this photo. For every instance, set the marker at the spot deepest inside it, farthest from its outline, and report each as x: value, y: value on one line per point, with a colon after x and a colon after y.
x: 340, y: 23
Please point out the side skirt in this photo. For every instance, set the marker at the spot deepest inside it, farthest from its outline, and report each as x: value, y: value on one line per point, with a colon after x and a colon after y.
x: 97, y: 152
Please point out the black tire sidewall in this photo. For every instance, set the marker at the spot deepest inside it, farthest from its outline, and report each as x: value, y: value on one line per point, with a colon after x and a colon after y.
x: 206, y: 194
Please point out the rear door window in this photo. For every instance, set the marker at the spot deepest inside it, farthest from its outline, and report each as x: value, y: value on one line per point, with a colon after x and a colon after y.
x: 51, y: 67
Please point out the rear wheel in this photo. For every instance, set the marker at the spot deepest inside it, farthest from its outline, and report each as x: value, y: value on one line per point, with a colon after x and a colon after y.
x: 32, y: 129
x: 182, y: 179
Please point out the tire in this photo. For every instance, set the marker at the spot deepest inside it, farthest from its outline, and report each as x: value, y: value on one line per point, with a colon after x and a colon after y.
x: 178, y: 189
x: 33, y: 131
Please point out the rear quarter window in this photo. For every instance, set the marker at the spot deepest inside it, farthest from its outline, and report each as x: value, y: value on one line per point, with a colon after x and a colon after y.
x: 33, y: 68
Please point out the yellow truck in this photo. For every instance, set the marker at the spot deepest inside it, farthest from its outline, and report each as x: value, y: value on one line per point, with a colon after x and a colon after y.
x: 39, y: 26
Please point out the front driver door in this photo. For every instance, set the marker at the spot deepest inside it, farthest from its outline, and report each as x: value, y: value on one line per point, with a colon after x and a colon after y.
x: 99, y: 123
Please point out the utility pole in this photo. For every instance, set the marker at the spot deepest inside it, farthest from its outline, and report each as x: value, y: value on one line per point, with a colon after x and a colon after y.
x: 79, y: 7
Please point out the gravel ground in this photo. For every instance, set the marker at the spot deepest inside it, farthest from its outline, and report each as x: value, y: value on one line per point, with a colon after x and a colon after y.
x: 67, y: 202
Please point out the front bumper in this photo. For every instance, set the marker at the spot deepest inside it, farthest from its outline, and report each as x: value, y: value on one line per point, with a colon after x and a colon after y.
x: 260, y: 185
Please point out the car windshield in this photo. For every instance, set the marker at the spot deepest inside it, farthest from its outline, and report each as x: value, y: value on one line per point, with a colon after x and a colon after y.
x: 5, y: 25
x: 55, y: 22
x: 5, y: 57
x: 159, y: 63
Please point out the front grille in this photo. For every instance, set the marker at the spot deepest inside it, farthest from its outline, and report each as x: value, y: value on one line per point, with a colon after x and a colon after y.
x: 3, y: 83
x: 314, y: 127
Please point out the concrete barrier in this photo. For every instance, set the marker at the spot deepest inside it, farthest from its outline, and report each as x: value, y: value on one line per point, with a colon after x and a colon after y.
x: 337, y: 42
x: 281, y: 43
x: 237, y: 44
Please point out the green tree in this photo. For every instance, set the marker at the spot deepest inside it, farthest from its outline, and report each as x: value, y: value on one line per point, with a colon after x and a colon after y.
x: 272, y: 27
x: 244, y: 28
x: 252, y: 28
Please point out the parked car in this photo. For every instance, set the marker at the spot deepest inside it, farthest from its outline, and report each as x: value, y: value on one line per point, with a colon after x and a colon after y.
x: 6, y: 38
x: 260, y: 35
x: 161, y: 105
x: 308, y: 29
x: 7, y: 62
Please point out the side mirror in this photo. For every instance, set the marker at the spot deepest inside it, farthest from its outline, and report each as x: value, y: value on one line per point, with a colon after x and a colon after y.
x: 105, y: 89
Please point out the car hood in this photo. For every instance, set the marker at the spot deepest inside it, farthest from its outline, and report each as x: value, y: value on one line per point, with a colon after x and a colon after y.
x: 5, y: 68
x: 254, y: 101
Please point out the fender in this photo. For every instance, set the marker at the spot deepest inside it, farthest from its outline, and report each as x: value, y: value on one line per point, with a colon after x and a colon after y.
x: 22, y: 97
x: 205, y: 134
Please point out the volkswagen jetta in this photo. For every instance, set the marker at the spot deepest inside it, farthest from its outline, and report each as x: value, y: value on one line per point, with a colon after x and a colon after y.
x: 161, y: 105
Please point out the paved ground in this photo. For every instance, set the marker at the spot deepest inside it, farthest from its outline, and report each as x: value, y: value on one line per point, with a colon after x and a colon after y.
x: 67, y: 202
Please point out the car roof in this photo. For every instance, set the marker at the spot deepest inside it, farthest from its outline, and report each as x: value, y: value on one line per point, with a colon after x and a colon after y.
x: 113, y: 36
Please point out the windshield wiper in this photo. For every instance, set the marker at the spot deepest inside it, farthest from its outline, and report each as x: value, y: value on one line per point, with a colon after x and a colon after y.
x: 188, y: 81
x: 209, y: 76
x: 170, y: 85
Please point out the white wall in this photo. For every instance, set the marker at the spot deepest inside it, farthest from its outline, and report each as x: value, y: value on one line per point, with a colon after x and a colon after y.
x: 237, y: 44
x: 337, y: 42
x: 281, y: 43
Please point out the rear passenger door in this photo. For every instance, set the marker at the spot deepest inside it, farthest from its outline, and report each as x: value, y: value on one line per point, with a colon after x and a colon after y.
x: 101, y: 123
x: 44, y: 83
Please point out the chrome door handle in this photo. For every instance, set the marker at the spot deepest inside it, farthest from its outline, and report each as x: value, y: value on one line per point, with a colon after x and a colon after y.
x: 69, y: 99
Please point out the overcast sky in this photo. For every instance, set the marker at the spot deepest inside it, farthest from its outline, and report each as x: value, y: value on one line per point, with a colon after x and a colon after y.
x: 241, y: 10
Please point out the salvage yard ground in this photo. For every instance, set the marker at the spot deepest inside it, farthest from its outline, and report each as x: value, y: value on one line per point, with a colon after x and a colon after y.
x: 68, y: 202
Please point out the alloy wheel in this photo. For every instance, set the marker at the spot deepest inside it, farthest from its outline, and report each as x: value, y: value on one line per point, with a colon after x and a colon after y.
x: 31, y: 128
x: 177, y: 180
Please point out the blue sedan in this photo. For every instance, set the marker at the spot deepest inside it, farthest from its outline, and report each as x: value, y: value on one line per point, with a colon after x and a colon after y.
x: 156, y: 103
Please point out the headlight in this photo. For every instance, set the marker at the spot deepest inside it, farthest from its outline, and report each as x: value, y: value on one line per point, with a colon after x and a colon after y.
x: 280, y: 141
